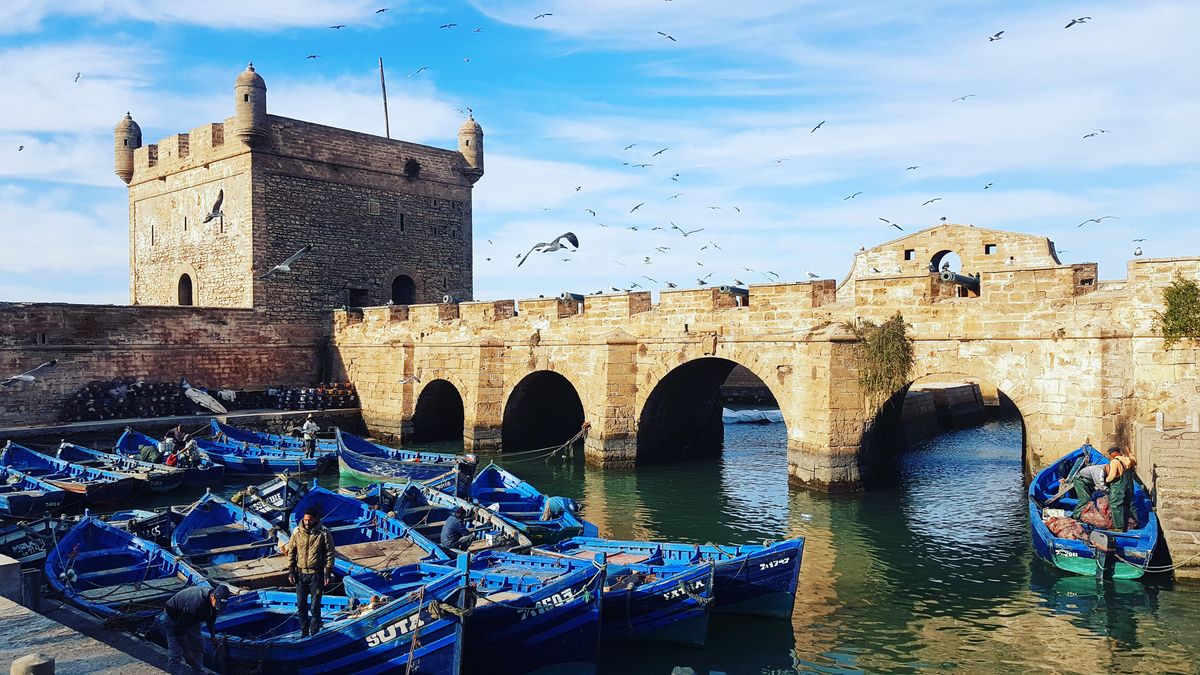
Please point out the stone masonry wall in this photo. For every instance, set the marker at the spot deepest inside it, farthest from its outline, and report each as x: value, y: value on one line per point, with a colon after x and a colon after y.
x: 229, y: 348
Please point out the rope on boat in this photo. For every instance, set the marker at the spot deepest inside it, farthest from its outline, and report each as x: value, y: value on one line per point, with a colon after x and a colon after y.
x: 548, y: 451
x: 412, y: 650
x: 1159, y: 568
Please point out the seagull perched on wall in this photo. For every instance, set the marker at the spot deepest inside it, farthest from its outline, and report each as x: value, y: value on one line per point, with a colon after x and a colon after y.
x: 286, y: 265
x: 555, y: 245
x: 216, y: 211
x: 28, y: 376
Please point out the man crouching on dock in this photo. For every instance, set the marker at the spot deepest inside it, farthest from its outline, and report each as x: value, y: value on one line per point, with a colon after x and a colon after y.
x: 310, y: 568
x: 181, y: 619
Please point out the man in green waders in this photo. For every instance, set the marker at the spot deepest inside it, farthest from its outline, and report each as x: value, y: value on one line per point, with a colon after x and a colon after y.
x: 1120, y: 486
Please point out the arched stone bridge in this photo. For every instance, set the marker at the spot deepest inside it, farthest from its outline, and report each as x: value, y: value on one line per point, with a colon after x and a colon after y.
x: 1078, y: 357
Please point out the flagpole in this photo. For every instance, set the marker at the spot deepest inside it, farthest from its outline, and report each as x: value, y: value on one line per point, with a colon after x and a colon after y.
x: 387, y: 130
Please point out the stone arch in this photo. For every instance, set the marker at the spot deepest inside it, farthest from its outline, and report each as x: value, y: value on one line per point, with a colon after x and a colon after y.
x: 179, y: 273
x: 395, y: 273
x: 543, y: 409
x: 439, y: 413
x: 404, y: 290
x: 885, y: 437
x: 680, y: 414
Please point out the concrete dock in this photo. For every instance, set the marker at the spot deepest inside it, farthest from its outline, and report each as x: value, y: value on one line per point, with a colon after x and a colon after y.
x: 23, y: 631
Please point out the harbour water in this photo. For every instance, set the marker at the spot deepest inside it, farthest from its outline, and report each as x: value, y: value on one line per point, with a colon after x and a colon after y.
x: 936, y: 573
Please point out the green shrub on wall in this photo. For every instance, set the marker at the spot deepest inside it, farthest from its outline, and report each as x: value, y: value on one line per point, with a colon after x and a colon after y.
x: 885, y: 357
x: 1180, y: 318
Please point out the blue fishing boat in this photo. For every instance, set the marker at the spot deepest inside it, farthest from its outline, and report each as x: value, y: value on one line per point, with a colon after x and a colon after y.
x: 365, y: 538
x: 154, y: 477
x: 546, y: 519
x: 426, y: 510
x: 92, y: 486
x: 753, y: 579
x: 649, y: 601
x: 113, y: 574
x: 274, y: 499
x: 26, y: 496
x: 527, y: 614
x: 257, y: 460
x: 231, y: 545
x: 232, y: 434
x: 408, y: 631
x: 202, y: 473
x: 361, y: 459
x: 28, y: 542
x: 1121, y: 555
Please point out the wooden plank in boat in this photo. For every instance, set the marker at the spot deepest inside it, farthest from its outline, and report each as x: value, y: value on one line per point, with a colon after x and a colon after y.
x: 382, y: 554
x: 502, y: 596
x: 139, y: 592
x: 251, y: 574
x: 616, y: 558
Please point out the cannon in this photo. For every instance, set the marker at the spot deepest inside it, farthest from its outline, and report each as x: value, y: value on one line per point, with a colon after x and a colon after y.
x: 449, y: 299
x: 733, y: 290
x: 567, y: 295
x: 967, y: 282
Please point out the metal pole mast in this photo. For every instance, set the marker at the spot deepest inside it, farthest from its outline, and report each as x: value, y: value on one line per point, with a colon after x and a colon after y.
x: 387, y: 129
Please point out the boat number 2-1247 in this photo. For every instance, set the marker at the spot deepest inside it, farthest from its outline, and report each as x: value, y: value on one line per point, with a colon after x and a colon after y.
x: 773, y: 564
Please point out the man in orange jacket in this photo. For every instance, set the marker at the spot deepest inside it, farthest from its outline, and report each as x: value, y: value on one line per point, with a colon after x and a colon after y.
x: 1119, y: 477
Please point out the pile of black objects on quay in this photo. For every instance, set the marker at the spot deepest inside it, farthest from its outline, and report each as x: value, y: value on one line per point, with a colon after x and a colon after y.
x: 321, y: 397
x: 132, y: 398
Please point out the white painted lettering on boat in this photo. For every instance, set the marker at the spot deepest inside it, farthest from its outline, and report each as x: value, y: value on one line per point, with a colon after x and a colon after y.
x: 394, y: 630
x: 546, y: 604
x: 773, y: 564
x: 695, y: 587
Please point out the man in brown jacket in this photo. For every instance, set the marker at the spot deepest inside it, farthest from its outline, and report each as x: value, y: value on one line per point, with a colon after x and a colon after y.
x: 310, y: 567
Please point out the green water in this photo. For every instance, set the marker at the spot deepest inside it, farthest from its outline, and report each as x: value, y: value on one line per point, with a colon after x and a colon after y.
x: 936, y: 573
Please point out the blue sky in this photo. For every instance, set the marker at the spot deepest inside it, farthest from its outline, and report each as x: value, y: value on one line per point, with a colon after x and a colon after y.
x: 732, y: 98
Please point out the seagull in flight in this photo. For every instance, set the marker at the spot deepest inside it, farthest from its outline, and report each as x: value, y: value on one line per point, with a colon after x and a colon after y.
x: 892, y: 224
x: 418, y: 71
x: 667, y: 36
x: 660, y: 152
x: 448, y: 25
x: 381, y: 11
x: 818, y: 126
x: 783, y: 159
x: 1096, y: 132
x: 1139, y: 240
x: 962, y: 98
x: 313, y: 56
x: 637, y: 207
x: 28, y: 376
x: 216, y: 211
x: 913, y: 167
x: 641, y: 166
x: 672, y: 284
x: 1082, y: 19
x: 985, y: 187
x: 935, y: 199
x: 1096, y: 220
x: 852, y: 196
x: 685, y: 232
x: 338, y: 26
x: 77, y: 76
x: 812, y: 276
x: 556, y: 245
x: 591, y: 212
x: 630, y: 146
x: 674, y: 196
x: 286, y: 265
x: 1137, y: 251
x: 410, y: 379
x: 993, y: 38
x: 543, y: 15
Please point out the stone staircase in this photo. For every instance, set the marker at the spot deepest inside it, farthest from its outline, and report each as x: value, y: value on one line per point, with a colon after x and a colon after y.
x: 1169, y: 463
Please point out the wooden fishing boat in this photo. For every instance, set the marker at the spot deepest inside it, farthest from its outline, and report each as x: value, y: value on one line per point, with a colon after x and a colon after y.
x: 155, y: 526
x: 26, y: 496
x: 755, y: 579
x: 404, y: 632
x: 29, y: 542
x: 527, y: 614
x: 274, y: 499
x: 257, y: 460
x: 113, y: 574
x: 205, y: 471
x: 225, y: 432
x: 1119, y: 555
x: 649, y: 601
x: 366, y: 538
x: 231, y: 545
x: 93, y: 486
x: 361, y: 459
x: 426, y: 510
x: 546, y: 519
x: 154, y: 477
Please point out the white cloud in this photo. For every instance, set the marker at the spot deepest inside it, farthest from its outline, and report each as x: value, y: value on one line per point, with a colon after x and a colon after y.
x: 27, y: 15
x: 44, y: 237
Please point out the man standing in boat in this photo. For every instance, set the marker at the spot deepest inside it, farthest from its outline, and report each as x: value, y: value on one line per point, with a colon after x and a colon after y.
x: 181, y: 619
x: 311, y: 568
x: 1114, y: 478
x: 310, y: 430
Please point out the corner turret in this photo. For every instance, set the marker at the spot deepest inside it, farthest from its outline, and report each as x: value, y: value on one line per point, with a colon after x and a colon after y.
x: 127, y: 137
x: 470, y: 144
x: 250, y: 107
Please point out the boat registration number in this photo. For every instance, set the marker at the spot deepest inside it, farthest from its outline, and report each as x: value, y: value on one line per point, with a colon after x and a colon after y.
x: 392, y: 631
x: 695, y: 587
x: 546, y: 604
x: 773, y: 564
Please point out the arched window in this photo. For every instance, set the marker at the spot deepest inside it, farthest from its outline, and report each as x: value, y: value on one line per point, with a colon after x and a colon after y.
x: 404, y: 291
x: 185, y: 290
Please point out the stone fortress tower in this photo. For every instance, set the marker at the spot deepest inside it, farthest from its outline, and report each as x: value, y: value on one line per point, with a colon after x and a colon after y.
x: 210, y: 211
